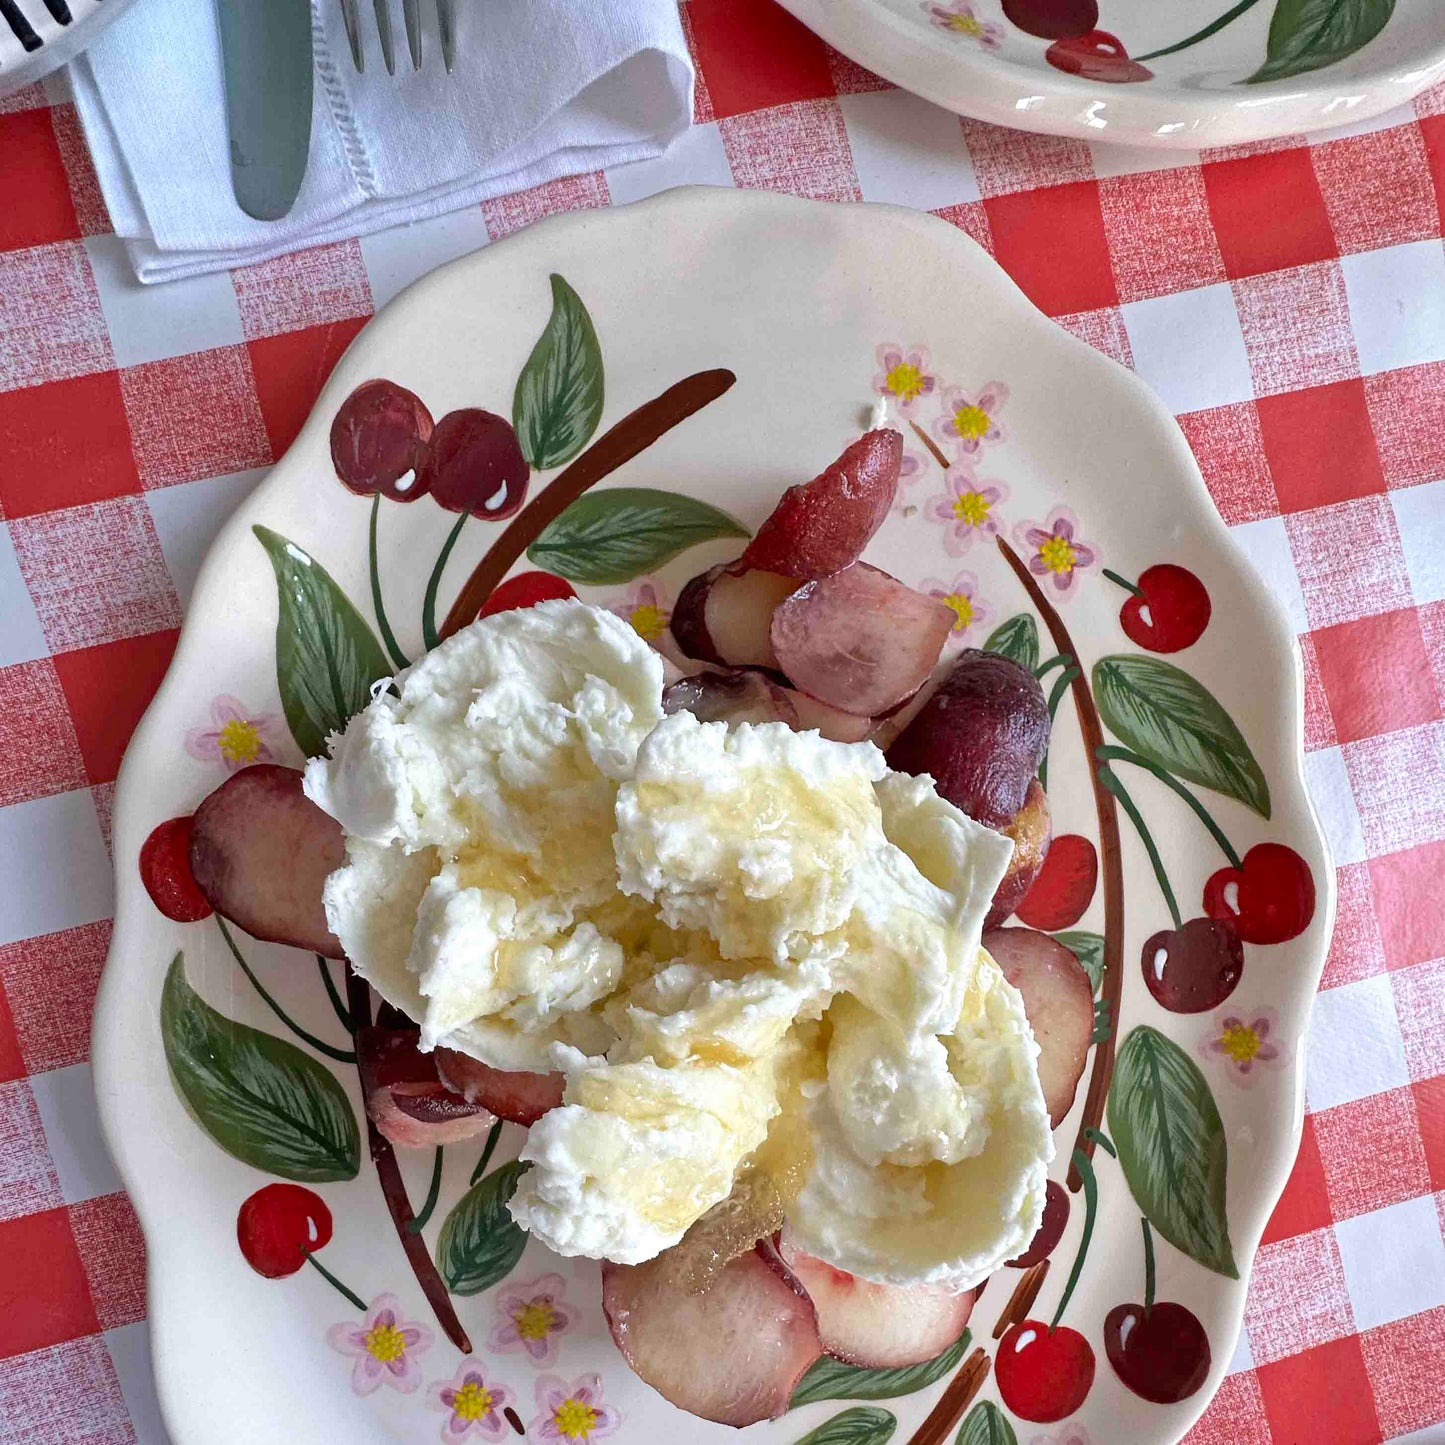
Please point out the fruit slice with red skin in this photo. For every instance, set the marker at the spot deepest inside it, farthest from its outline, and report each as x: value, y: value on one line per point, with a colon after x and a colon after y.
x: 1097, y: 56
x: 1031, y: 829
x: 859, y: 640
x: 279, y: 1225
x: 1269, y: 900
x: 261, y: 851
x: 879, y: 1326
x: 511, y: 1094
x: 981, y: 736
x: 1042, y: 1374
x: 723, y: 615
x: 823, y: 526
x: 379, y: 435
x: 734, y: 695
x: 1170, y: 612
x: 1053, y: 19
x: 1194, y: 968
x: 1051, y: 1227
x: 405, y: 1096
x: 1160, y: 1352
x: 526, y: 589
x: 734, y: 1353
x: 832, y: 722
x: 1061, y: 894
x: 165, y: 869
x: 1059, y: 1003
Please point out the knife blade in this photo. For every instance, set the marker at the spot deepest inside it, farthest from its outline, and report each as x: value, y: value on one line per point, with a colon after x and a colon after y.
x: 266, y: 60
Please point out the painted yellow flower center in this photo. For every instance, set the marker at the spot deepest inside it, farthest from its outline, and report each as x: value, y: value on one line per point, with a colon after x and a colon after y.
x: 1240, y: 1042
x: 648, y: 622
x: 905, y: 381
x: 965, y: 25
x: 385, y: 1342
x: 574, y: 1419
x: 971, y: 507
x: 240, y: 741
x: 1058, y: 554
x: 472, y: 1402
x: 962, y: 609
x: 534, y: 1320
x: 970, y: 422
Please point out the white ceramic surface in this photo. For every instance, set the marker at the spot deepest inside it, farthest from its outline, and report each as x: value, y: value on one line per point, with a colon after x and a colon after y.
x: 796, y: 298
x: 1199, y: 96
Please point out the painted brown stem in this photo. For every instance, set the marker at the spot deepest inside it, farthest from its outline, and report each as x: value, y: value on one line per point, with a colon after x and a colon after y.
x: 1021, y: 1301
x: 619, y: 444
x: 1112, y: 866
x: 393, y: 1190
x: 953, y: 1401
x: 932, y: 445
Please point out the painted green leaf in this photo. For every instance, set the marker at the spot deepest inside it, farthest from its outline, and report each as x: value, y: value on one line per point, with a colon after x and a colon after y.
x: 259, y: 1097
x: 986, y: 1424
x: 1164, y: 714
x: 1017, y: 638
x: 616, y: 535
x: 326, y: 656
x: 1171, y: 1145
x: 830, y: 1379
x: 862, y: 1425
x: 558, y: 400
x: 480, y: 1242
x: 1088, y: 948
x: 1306, y: 35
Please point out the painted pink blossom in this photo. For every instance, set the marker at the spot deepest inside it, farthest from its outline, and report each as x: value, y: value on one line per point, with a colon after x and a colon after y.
x: 969, y: 609
x: 385, y: 1347
x: 967, y: 508
x: 645, y: 608
x: 958, y: 18
x: 530, y: 1317
x: 473, y: 1405
x: 236, y: 737
x: 971, y: 418
x: 572, y: 1413
x: 1247, y: 1042
x: 903, y: 374
x: 1069, y: 1435
x: 1059, y: 553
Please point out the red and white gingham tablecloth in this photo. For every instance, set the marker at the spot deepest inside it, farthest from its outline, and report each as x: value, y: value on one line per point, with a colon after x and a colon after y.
x: 1286, y: 300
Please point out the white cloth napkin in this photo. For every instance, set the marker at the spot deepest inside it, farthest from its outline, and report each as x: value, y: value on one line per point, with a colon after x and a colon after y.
x: 541, y: 89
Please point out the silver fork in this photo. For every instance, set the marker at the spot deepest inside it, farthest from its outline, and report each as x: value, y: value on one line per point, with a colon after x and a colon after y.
x: 411, y: 17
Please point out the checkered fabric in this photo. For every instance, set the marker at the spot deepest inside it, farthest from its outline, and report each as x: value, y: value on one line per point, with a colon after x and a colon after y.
x: 1308, y: 280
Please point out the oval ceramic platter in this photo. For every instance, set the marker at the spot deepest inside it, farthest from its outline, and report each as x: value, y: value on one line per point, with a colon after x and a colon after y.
x: 723, y: 346
x: 1147, y: 72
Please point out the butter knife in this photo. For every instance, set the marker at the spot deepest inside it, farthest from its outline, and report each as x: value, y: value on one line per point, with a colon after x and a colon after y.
x: 266, y: 59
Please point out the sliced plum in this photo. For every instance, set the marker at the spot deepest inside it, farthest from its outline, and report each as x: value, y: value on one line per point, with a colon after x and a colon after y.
x: 1031, y: 829
x: 405, y: 1097
x: 511, y: 1094
x: 981, y: 736
x: 1059, y: 1002
x: 261, y: 851
x: 733, y: 695
x: 832, y: 722
x: 734, y: 1353
x: 859, y: 641
x: 823, y: 526
x: 723, y: 615
x: 879, y: 1326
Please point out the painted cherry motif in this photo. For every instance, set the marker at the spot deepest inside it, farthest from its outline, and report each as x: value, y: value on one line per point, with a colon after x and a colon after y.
x: 1096, y: 56
x: 165, y: 869
x: 1159, y: 1350
x: 526, y: 589
x: 474, y: 464
x: 1061, y: 894
x: 1195, y: 967
x: 279, y: 1226
x: 1167, y: 610
x: 1268, y: 898
x: 1053, y: 19
x: 1051, y: 1227
x: 378, y: 440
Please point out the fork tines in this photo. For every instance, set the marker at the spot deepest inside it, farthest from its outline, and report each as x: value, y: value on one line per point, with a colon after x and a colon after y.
x: 411, y: 19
